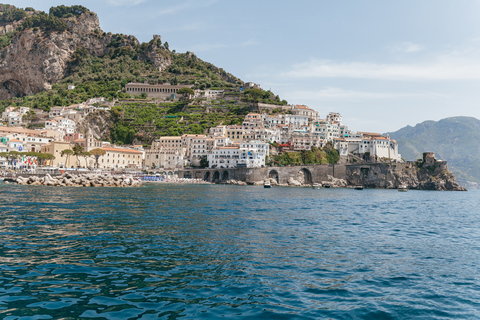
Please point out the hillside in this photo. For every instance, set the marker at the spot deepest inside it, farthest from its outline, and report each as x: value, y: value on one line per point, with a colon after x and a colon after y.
x: 452, y: 139
x: 43, y: 53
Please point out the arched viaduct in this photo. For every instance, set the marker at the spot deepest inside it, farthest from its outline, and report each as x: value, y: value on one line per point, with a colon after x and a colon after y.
x: 309, y: 174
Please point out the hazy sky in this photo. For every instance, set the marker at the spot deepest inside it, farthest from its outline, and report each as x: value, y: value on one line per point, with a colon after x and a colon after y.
x: 382, y: 64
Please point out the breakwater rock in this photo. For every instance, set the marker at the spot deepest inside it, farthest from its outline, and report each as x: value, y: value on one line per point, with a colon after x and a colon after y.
x: 83, y: 180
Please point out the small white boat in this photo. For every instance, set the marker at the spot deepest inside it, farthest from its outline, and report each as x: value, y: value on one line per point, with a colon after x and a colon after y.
x: 267, y: 184
x: 316, y: 186
x: 402, y: 188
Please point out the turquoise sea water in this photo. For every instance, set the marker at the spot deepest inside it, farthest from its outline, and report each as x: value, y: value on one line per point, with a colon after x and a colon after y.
x: 212, y: 251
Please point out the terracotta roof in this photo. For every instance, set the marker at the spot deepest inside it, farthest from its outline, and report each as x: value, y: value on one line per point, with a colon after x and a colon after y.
x: 122, y: 150
x: 303, y: 107
x: 372, y: 134
x: 20, y: 130
x: 14, y: 140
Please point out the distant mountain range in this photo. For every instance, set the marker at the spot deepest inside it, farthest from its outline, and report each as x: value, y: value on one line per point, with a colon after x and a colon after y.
x: 453, y: 139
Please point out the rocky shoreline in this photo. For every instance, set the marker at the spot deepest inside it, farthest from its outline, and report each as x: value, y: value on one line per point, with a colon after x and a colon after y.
x: 81, y: 180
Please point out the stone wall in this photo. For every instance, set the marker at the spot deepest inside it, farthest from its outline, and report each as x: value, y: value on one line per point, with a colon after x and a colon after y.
x: 414, y: 175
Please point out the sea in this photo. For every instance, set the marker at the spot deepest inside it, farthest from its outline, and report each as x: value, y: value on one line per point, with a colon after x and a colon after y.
x: 186, y: 251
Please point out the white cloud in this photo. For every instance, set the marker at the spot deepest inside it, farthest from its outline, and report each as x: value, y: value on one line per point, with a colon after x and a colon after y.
x: 407, y: 47
x: 452, y: 67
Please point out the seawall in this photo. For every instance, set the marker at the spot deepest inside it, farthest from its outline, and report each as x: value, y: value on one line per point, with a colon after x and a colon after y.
x: 415, y: 175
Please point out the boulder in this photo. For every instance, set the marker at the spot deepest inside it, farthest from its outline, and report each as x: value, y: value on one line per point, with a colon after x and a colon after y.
x: 294, y: 182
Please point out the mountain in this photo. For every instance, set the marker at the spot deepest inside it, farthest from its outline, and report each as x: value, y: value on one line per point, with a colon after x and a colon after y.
x: 44, y: 54
x: 39, y: 50
x: 452, y: 139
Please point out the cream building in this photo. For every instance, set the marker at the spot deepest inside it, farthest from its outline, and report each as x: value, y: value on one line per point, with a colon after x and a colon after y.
x: 55, y: 148
x: 119, y: 158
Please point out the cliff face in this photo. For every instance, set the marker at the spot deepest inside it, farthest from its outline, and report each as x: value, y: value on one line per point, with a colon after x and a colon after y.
x: 97, y: 125
x: 415, y: 175
x: 35, y: 60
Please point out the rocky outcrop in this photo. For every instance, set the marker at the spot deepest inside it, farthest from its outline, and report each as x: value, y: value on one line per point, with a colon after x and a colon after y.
x: 236, y: 182
x: 36, y: 60
x: 334, y: 182
x: 414, y: 175
x: 156, y: 55
x: 96, y: 124
x: 86, y: 180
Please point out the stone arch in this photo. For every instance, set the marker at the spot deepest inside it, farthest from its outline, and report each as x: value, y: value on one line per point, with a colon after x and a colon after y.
x: 273, y: 174
x: 304, y: 176
x: 206, y: 176
x: 170, y: 173
x: 216, y: 176
x: 225, y: 175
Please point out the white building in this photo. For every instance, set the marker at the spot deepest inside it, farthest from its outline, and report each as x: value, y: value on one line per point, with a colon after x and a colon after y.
x: 224, y: 157
x: 296, y: 121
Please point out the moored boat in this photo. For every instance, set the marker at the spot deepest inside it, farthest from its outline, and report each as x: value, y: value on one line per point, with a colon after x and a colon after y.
x: 402, y: 188
x: 267, y: 184
x: 358, y: 187
x: 316, y: 186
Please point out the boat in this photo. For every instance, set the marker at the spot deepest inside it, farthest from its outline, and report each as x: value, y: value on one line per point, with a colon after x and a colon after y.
x: 316, y: 186
x: 326, y: 185
x: 402, y: 188
x: 267, y: 184
x: 358, y: 187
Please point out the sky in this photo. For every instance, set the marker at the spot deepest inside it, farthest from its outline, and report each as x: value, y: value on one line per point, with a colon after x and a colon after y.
x: 382, y: 64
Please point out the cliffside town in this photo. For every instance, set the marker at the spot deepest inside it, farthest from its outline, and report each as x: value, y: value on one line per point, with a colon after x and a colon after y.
x: 252, y: 144
x: 165, y: 119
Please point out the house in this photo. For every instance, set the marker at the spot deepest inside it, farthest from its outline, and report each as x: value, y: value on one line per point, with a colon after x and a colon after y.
x: 55, y: 148
x: 120, y: 158
x: 224, y: 157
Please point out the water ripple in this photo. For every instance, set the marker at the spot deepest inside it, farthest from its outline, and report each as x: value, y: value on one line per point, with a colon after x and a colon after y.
x: 192, y: 252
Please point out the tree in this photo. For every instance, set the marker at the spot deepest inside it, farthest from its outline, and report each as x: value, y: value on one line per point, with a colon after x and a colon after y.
x: 333, y: 156
x: 186, y: 92
x: 10, y: 156
x: 255, y: 93
x: 204, y: 162
x: 85, y: 154
x: 44, y: 156
x: 77, y: 151
x: 97, y: 153
x: 67, y: 153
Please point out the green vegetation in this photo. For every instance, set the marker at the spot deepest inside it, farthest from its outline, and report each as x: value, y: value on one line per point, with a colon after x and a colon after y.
x: 67, y: 12
x: 324, y: 155
x: 11, y: 13
x: 148, y: 121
